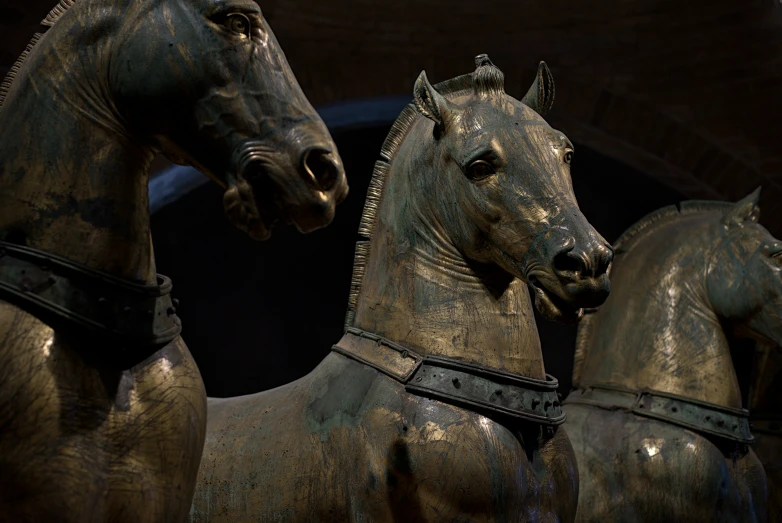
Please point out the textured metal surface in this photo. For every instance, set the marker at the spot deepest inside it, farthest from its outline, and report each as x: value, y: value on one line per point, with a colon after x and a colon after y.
x: 384, y: 355
x: 470, y: 200
x: 141, y: 317
x: 713, y: 420
x: 634, y: 468
x: 86, y: 109
x: 478, y: 388
x: 176, y: 182
x: 681, y: 277
x: 768, y: 447
x: 765, y: 404
x: 439, y: 378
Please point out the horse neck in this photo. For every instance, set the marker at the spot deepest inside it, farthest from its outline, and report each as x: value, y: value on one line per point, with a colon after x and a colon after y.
x: 658, y: 330
x: 72, y: 180
x: 419, y: 291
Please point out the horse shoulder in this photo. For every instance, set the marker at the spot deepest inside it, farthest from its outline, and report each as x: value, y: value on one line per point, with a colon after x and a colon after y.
x: 35, y: 428
x: 652, y: 469
x: 157, y: 430
x: 429, y: 461
x: 55, y: 401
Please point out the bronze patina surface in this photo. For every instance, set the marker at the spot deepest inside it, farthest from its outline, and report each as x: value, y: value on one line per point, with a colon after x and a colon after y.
x: 96, y: 429
x: 471, y: 201
x: 684, y: 278
x: 765, y: 405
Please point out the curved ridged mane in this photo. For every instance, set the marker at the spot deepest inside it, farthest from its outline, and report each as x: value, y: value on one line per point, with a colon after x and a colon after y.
x: 450, y: 89
x: 627, y: 241
x: 51, y: 19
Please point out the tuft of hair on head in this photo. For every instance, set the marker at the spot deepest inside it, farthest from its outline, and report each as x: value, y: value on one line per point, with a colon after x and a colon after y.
x: 487, y: 80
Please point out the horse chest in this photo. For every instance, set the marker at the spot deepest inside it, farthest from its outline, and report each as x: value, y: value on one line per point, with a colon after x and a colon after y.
x: 653, y: 471
x: 441, y: 463
x: 107, y: 431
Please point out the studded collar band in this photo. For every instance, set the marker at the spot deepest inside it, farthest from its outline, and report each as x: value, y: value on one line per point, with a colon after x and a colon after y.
x: 138, y: 317
x: 700, y: 416
x: 474, y: 387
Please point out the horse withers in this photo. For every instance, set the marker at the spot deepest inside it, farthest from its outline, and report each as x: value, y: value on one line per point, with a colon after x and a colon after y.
x: 656, y: 419
x: 102, y: 408
x: 435, y: 405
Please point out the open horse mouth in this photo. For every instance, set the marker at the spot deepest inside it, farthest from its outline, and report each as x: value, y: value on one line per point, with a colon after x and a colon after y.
x: 268, y: 199
x: 254, y: 203
x: 552, y: 306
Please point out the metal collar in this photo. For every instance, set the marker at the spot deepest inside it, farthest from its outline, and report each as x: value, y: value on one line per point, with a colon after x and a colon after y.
x: 700, y: 416
x: 471, y: 386
x: 137, y: 316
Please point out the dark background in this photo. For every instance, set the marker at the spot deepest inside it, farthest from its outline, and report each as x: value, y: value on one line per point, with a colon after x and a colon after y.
x: 257, y: 315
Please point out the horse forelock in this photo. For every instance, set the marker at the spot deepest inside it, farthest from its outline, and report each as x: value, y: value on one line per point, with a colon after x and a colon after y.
x: 488, y: 80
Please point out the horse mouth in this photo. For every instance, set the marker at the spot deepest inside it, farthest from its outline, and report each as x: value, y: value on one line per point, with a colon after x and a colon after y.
x: 552, y: 306
x: 255, y: 203
x: 268, y: 200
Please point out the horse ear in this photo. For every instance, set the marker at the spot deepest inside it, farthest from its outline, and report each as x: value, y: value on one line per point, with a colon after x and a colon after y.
x: 429, y: 102
x: 743, y: 211
x: 540, y: 96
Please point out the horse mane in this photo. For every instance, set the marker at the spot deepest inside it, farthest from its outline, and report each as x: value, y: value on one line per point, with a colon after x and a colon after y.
x: 48, y: 22
x: 629, y: 239
x: 450, y: 89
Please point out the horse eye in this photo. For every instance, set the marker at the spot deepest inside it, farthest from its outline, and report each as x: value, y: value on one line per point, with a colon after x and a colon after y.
x: 568, y: 157
x: 480, y: 169
x: 239, y: 24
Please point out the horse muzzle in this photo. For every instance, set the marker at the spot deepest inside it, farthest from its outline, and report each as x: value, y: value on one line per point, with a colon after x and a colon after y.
x: 574, y: 277
x: 300, y: 188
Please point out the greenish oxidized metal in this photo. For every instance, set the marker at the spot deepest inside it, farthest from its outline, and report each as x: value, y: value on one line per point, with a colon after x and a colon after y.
x: 489, y: 391
x: 472, y: 386
x: 379, y: 353
x: 102, y: 407
x: 470, y: 203
x: 708, y: 418
x: 765, y: 406
x: 140, y: 317
x: 657, y: 421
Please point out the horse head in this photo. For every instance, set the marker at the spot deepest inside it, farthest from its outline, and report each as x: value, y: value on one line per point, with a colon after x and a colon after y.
x: 744, y: 274
x: 503, y: 190
x: 207, y: 83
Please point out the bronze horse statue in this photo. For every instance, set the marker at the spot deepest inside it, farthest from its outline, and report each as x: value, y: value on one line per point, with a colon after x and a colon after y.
x: 765, y: 407
x: 435, y: 405
x: 656, y: 419
x: 102, y: 408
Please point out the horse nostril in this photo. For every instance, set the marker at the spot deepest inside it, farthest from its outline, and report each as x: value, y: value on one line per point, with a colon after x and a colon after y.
x: 603, y: 257
x: 568, y: 261
x: 319, y: 164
